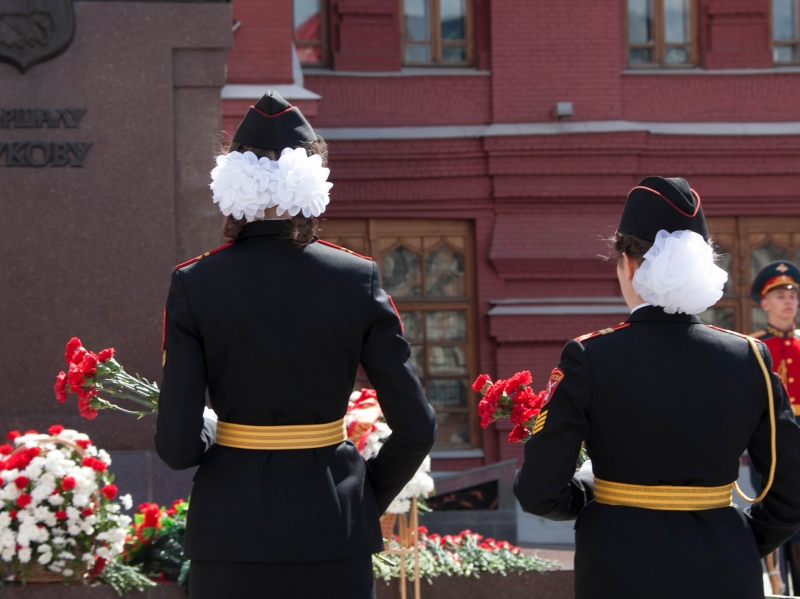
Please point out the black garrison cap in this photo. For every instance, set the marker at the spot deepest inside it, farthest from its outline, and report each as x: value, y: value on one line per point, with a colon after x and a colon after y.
x: 273, y: 124
x: 658, y: 203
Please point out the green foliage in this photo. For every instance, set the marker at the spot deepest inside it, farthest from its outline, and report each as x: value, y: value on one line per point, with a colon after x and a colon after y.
x: 466, y: 554
x: 124, y: 578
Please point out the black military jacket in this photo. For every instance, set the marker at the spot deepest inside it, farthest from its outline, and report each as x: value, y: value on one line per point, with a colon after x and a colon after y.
x: 666, y: 400
x: 276, y: 335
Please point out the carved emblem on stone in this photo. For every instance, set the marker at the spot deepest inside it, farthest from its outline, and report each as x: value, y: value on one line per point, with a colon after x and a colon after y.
x: 32, y: 31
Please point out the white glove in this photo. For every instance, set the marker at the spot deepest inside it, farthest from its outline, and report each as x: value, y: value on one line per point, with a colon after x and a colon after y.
x: 209, y: 432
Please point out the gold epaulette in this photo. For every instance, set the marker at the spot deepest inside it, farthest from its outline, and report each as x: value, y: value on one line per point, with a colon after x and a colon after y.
x: 758, y: 334
x: 206, y: 255
x: 602, y: 332
x: 338, y: 247
x: 742, y: 335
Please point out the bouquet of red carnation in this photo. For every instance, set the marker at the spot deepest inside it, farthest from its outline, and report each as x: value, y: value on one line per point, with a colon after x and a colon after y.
x: 89, y: 374
x: 512, y: 398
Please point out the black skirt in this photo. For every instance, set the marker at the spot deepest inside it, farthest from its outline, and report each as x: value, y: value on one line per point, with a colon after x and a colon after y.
x: 341, y: 579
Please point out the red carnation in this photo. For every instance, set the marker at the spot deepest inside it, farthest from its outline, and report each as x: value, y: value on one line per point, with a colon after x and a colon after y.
x: 517, y: 434
x: 61, y: 387
x: 105, y: 354
x: 94, y: 464
x: 21, y: 482
x: 86, y: 512
x: 13, y: 514
x: 68, y: 483
x: 170, y: 511
x: 520, y: 413
x: 55, y: 430
x: 486, y: 412
x: 31, y: 432
x: 518, y: 380
x: 13, y: 435
x: 481, y: 382
x: 24, y: 500
x: 61, y: 515
x: 178, y: 502
x: 85, y: 443
x: 75, y: 378
x: 72, y: 345
x: 85, y: 397
x: 6, y: 449
x: 89, y: 365
x: 152, y: 516
x: 78, y: 356
x: 109, y: 491
x: 494, y: 392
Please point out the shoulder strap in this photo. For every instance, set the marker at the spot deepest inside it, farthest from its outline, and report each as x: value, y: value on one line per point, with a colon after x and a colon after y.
x: 772, y: 440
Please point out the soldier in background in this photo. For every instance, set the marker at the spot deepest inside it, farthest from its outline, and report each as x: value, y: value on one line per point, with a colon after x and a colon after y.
x: 775, y: 289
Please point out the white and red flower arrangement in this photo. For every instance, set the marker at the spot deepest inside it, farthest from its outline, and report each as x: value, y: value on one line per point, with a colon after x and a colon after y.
x: 367, y: 429
x: 89, y: 374
x: 57, y: 508
x: 512, y: 398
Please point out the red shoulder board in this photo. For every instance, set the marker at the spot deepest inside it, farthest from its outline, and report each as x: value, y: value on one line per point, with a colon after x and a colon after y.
x: 338, y: 247
x: 711, y: 326
x: 607, y: 331
x: 206, y: 255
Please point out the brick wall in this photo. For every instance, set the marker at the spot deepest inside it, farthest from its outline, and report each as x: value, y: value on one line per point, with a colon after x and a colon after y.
x: 541, y: 204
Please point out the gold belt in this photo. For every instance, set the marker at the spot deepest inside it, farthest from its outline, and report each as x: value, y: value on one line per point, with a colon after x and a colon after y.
x: 662, y: 497
x: 301, y: 436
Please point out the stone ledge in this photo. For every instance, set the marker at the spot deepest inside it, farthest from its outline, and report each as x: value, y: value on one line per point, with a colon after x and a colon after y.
x: 531, y: 585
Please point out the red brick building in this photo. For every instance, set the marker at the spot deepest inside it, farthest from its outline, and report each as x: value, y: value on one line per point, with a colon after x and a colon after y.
x: 482, y: 149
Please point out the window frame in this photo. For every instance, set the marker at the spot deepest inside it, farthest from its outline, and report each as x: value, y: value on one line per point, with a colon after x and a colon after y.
x: 795, y: 42
x: 658, y: 46
x: 436, y: 42
x: 324, y: 38
x: 370, y: 237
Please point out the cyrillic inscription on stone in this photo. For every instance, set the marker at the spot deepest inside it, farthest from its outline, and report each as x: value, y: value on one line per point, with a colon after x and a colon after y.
x: 40, y: 153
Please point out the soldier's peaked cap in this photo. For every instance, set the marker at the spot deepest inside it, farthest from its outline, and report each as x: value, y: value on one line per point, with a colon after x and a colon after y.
x: 780, y: 274
x: 658, y: 203
x: 273, y: 124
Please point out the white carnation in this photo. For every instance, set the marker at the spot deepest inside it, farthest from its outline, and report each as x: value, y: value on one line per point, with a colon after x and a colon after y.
x: 103, y: 552
x: 7, y: 539
x: 73, y: 530
x: 104, y: 456
x: 68, y: 572
x: 45, y: 558
x: 127, y: 501
x: 5, y: 520
x: 55, y: 500
x: 24, y: 555
x: 679, y: 274
x: 8, y: 554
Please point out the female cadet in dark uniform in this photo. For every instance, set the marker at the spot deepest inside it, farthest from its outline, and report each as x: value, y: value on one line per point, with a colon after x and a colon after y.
x: 274, y: 326
x: 666, y: 406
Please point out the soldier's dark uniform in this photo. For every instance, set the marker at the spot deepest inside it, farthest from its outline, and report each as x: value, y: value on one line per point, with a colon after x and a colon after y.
x: 663, y: 400
x: 276, y: 333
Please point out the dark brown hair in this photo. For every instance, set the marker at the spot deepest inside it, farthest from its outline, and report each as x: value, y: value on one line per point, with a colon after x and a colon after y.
x: 632, y: 246
x: 299, y: 231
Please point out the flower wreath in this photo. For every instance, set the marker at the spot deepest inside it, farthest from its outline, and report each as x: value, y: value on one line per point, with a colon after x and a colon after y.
x: 245, y: 186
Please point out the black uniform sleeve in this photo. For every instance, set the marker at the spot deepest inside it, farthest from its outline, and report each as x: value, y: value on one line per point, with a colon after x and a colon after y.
x: 776, y: 518
x: 386, y: 360
x: 547, y: 484
x: 180, y: 405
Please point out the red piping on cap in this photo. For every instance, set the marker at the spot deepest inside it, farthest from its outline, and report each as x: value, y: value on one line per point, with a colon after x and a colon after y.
x: 696, y: 210
x: 272, y: 116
